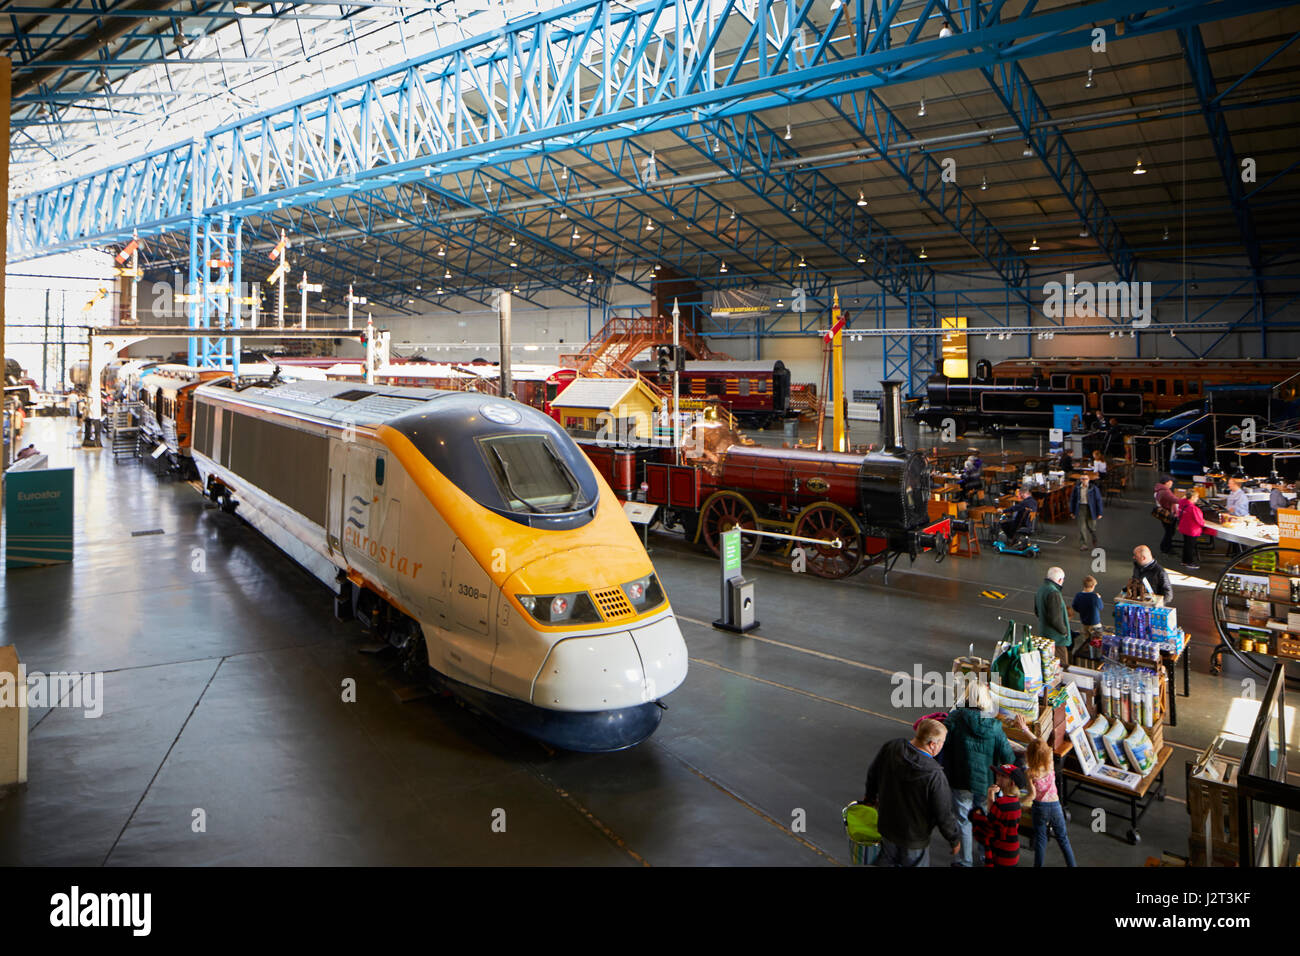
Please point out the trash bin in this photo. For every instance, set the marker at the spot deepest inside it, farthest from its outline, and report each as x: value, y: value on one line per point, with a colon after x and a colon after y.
x: 791, y: 429
x: 742, y: 603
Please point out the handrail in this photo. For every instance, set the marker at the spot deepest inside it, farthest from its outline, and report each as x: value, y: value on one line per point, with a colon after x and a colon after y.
x: 1180, y: 428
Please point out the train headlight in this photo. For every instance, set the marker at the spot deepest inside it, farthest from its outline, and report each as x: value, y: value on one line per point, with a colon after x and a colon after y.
x: 576, y: 608
x: 644, y: 593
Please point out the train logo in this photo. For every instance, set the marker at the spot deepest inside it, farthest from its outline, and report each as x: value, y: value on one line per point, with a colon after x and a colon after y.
x: 358, y: 510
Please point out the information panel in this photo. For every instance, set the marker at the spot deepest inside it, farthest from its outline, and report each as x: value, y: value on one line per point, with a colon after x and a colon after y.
x: 38, y: 517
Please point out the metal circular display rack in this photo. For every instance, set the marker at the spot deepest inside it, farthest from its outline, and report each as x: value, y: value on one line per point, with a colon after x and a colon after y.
x: 1261, y: 566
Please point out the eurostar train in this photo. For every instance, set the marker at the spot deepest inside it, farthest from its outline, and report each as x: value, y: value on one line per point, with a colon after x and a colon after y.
x: 471, y: 532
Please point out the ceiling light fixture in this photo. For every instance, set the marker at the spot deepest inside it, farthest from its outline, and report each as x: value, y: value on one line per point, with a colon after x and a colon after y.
x: 243, y: 9
x: 788, y: 136
x: 1083, y: 232
x: 442, y: 250
x: 802, y: 264
x: 861, y: 258
x: 1166, y: 235
x: 575, y: 232
x: 984, y: 183
x: 1028, y: 150
x: 649, y: 225
x: 590, y: 280
x: 923, y: 255
x: 564, y: 214
x: 921, y: 111
x: 1138, y: 170
x: 512, y: 242
x: 733, y: 214
x: 447, y: 274
x: 862, y: 199
x: 722, y: 270
x: 1033, y: 246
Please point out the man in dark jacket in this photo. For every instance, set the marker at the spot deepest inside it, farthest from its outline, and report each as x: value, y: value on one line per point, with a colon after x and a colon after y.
x: 1145, y: 569
x: 907, y: 787
x: 1085, y: 503
x: 1053, y: 617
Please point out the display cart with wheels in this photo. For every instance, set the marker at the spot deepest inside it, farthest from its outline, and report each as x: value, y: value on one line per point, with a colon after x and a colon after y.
x: 1138, y: 801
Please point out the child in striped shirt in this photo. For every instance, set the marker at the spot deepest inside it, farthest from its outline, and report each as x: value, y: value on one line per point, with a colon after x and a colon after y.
x: 998, y: 827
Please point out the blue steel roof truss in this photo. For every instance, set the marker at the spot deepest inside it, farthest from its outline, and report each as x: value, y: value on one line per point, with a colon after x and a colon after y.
x: 589, y: 77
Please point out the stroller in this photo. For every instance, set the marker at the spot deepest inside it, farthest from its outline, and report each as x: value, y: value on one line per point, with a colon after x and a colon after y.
x: 1018, y: 541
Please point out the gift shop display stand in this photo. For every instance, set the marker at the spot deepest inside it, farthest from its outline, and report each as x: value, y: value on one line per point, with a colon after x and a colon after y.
x: 1138, y: 801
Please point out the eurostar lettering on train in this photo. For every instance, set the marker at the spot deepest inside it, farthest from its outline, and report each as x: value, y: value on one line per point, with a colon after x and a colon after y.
x: 470, y: 532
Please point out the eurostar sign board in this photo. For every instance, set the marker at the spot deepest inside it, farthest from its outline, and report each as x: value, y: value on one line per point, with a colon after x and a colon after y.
x: 38, y: 517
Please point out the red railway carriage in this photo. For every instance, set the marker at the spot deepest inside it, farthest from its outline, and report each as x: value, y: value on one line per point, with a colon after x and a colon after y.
x: 756, y: 393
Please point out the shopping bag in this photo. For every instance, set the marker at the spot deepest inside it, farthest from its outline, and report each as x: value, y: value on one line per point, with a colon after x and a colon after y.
x: 1031, y: 665
x: 1008, y: 662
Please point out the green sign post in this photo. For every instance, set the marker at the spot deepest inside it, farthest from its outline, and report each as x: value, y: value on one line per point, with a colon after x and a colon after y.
x: 38, y: 517
x: 730, y: 554
x: 729, y: 551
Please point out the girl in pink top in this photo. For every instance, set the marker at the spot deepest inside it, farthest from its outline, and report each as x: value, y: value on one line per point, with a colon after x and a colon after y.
x: 1191, y: 523
x: 1047, y: 805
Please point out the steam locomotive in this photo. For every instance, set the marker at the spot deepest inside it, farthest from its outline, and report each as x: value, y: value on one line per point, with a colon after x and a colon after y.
x: 868, y: 508
x: 1008, y: 405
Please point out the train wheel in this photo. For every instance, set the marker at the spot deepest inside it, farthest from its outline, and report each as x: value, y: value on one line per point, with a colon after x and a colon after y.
x: 722, y: 512
x: 827, y: 522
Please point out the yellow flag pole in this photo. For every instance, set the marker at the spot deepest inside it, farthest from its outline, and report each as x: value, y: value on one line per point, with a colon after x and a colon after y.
x: 841, y: 437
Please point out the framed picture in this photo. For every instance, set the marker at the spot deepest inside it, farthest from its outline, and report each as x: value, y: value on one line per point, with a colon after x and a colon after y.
x: 1088, y: 762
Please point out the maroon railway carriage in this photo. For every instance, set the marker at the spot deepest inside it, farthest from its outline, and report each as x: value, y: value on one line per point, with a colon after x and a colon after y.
x: 756, y: 393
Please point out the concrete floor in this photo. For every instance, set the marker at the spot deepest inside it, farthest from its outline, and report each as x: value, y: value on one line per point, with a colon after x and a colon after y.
x: 223, y: 702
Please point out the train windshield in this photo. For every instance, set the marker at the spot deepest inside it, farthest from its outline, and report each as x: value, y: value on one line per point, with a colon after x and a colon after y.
x: 530, y: 475
x: 507, y: 457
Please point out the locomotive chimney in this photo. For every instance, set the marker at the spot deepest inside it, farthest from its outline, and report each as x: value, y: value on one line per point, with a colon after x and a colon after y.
x: 891, y: 415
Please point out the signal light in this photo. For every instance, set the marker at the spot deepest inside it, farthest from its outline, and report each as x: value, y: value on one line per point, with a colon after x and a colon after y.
x: 664, y: 355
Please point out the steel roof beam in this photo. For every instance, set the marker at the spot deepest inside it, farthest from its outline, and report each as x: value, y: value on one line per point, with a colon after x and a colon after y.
x: 564, y: 77
x: 1198, y: 64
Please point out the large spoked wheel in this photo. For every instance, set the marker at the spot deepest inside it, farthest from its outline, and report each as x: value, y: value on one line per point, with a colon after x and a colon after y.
x: 827, y: 522
x: 724, y: 511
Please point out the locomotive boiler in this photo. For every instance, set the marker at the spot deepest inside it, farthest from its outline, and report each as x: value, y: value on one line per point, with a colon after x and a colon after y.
x: 865, y: 508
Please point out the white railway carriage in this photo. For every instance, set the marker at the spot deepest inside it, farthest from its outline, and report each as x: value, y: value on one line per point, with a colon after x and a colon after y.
x: 473, y: 533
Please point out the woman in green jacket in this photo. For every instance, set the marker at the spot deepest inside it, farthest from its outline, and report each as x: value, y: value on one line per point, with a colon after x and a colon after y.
x: 976, y: 742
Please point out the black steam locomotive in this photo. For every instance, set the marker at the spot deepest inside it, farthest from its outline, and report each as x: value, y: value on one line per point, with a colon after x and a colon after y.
x: 1008, y: 406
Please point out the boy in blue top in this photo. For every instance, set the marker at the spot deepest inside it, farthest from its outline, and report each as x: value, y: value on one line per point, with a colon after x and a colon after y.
x: 1088, y: 604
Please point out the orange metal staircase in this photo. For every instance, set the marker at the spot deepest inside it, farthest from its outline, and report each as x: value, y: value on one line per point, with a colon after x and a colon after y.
x: 612, y: 350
